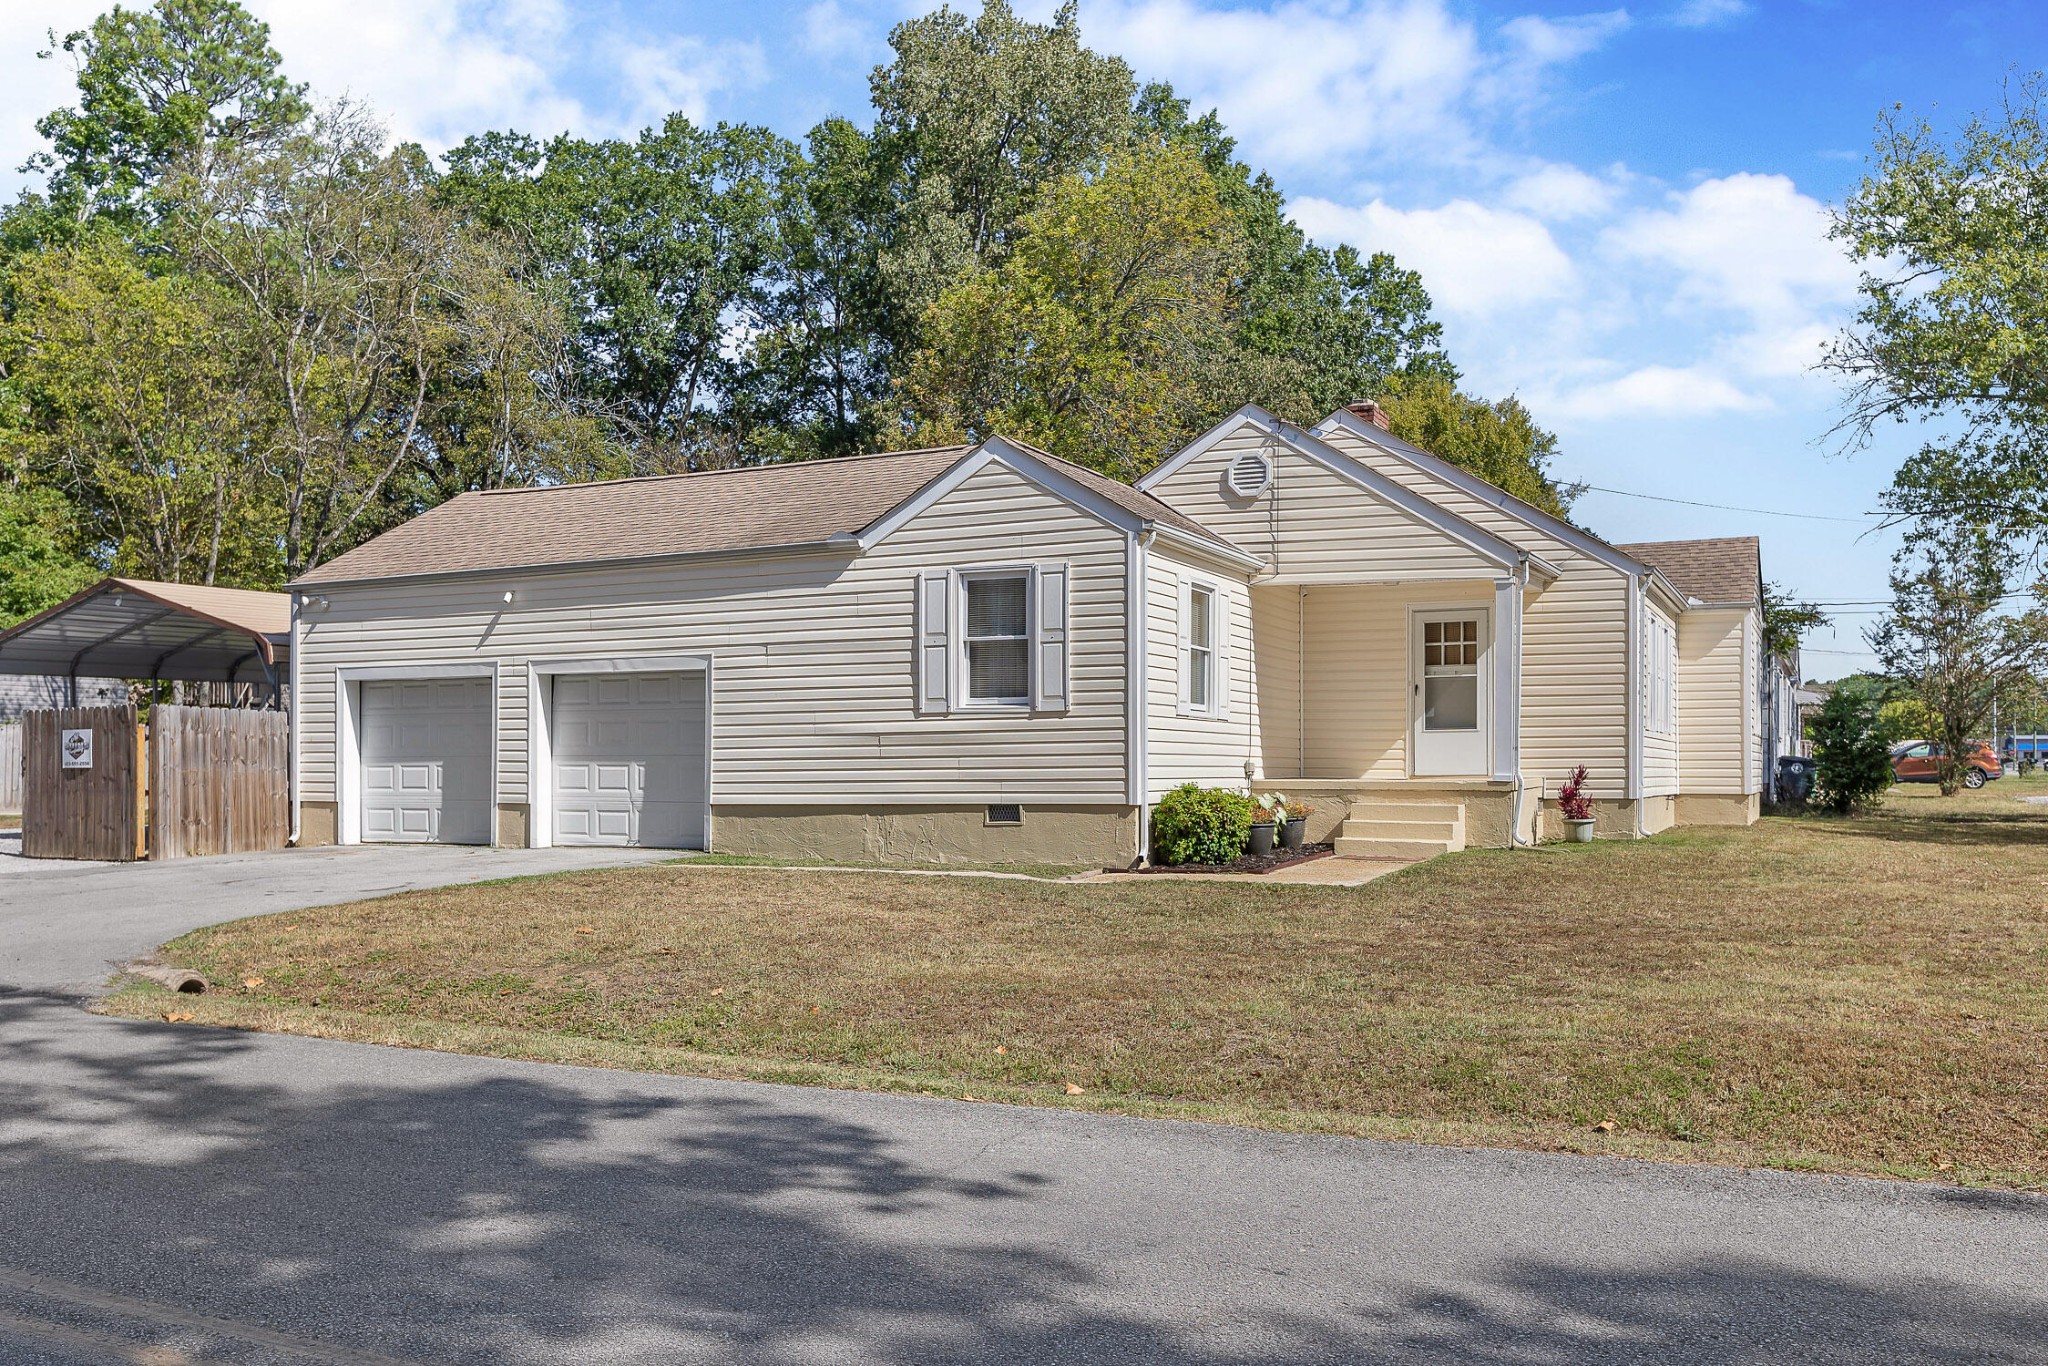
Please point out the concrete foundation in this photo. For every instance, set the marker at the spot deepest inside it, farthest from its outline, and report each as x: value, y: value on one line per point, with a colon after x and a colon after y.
x: 514, y: 826
x: 319, y: 823
x: 1716, y: 808
x: 1083, y: 836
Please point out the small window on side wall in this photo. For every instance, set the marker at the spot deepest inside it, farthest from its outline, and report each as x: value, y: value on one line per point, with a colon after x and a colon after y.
x: 997, y: 638
x: 1204, y: 668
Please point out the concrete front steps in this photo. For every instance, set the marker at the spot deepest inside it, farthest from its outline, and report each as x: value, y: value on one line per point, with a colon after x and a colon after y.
x: 1402, y: 830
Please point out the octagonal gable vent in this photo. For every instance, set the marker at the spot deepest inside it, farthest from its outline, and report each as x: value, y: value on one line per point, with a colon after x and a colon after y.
x: 1250, y: 475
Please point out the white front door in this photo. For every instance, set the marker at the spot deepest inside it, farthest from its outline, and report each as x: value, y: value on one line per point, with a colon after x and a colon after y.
x: 426, y: 761
x: 1449, y: 691
x: 629, y: 759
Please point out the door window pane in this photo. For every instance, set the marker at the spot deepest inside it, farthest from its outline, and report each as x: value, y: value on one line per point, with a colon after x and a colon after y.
x: 1450, y: 702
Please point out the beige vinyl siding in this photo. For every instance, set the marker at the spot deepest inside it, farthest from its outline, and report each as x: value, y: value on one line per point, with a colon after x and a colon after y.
x: 1660, y: 751
x: 1575, y: 677
x: 1575, y: 663
x: 1311, y: 524
x: 1714, y: 706
x: 1210, y: 750
x: 812, y: 691
x: 1279, y: 613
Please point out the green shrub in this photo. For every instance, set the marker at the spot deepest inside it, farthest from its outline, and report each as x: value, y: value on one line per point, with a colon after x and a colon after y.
x: 1852, y: 763
x: 1200, y: 825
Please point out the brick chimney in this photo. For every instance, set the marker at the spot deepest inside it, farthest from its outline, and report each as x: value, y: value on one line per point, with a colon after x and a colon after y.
x: 1371, y: 412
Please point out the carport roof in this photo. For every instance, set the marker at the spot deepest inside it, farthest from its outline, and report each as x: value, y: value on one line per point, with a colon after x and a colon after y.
x: 140, y: 628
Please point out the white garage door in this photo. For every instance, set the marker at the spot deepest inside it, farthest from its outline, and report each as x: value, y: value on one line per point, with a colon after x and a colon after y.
x: 629, y: 759
x: 427, y: 761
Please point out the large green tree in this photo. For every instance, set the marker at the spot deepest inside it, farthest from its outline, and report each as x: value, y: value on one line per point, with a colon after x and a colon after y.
x: 1096, y: 336
x: 41, y: 560
x: 1953, y: 328
x: 157, y: 86
x: 1499, y: 441
x: 662, y: 245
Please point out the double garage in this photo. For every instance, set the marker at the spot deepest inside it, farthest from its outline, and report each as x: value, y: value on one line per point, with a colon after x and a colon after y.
x: 618, y: 758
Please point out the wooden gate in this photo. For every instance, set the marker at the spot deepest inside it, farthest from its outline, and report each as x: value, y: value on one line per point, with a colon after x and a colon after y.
x: 218, y: 779
x: 10, y: 768
x: 82, y: 784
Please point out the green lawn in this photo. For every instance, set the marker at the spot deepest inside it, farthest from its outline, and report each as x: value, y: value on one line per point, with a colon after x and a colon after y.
x: 1859, y: 995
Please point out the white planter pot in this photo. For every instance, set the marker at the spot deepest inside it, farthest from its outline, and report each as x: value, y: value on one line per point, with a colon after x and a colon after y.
x: 1579, y: 831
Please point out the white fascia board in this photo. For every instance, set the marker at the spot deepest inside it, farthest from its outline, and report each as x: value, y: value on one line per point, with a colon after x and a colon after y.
x: 1670, y: 599
x: 1535, y: 518
x: 1197, y: 547
x: 1251, y: 413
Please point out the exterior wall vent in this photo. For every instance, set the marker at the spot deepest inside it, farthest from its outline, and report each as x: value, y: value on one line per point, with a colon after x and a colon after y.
x: 1250, y: 475
x: 1005, y: 815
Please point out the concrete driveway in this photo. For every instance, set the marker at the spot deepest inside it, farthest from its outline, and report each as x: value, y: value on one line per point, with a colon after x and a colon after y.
x: 64, y: 925
x: 172, y: 1194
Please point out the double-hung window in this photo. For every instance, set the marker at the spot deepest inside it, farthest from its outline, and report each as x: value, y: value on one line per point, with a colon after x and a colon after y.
x: 1660, y: 677
x: 992, y: 637
x: 996, y: 637
x: 1204, y: 671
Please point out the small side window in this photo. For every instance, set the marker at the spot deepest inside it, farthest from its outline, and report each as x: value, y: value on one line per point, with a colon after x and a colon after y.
x: 1201, y: 662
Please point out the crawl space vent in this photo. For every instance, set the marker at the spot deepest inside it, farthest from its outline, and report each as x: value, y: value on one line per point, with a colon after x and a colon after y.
x: 1249, y: 475
x: 1005, y: 815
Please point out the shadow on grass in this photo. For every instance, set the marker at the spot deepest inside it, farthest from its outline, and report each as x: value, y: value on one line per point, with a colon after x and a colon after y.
x: 1959, y: 828
x: 519, y: 1214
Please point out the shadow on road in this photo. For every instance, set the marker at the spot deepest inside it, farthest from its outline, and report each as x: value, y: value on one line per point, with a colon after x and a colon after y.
x: 514, y: 1219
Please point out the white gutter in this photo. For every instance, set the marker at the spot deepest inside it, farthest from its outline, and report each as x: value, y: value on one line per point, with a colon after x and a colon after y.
x: 1138, y: 680
x: 292, y: 728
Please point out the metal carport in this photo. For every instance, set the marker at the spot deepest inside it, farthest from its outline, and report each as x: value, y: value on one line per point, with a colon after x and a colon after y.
x: 143, y: 629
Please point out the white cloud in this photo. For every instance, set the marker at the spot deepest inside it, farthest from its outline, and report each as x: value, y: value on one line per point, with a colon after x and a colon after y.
x: 1560, y: 193
x: 1748, y: 243
x: 831, y: 34
x: 1474, y: 260
x: 1651, y: 391
x: 1708, y: 13
x: 1310, y: 80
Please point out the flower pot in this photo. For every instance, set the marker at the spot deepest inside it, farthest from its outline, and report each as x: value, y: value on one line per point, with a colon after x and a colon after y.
x: 1292, y: 833
x: 1262, y: 837
x: 1579, y: 831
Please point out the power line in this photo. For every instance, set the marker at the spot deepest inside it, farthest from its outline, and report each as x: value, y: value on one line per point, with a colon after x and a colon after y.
x: 1725, y: 507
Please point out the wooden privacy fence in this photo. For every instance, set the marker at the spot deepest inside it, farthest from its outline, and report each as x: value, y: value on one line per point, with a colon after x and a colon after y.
x: 10, y: 767
x: 82, y: 783
x: 217, y: 780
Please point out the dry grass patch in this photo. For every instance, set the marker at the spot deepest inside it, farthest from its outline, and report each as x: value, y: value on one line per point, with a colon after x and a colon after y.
x: 1865, y: 995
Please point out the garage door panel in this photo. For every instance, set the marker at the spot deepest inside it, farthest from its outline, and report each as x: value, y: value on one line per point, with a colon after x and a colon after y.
x: 629, y: 760
x: 426, y: 761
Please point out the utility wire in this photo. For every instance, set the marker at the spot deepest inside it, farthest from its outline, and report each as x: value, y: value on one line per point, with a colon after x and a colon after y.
x: 1725, y: 507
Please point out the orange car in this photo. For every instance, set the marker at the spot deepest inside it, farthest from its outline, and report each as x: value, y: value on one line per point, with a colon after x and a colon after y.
x: 1919, y: 761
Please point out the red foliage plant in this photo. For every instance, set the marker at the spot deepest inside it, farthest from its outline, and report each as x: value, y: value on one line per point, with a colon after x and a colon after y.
x: 1572, y: 798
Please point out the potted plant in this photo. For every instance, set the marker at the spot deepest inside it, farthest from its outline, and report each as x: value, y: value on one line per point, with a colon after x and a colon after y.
x: 1267, y: 813
x: 1296, y: 829
x: 1576, y: 807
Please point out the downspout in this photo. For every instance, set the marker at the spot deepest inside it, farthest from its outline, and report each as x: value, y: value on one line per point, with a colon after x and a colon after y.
x: 1515, y: 810
x: 292, y: 728
x: 1638, y: 606
x: 1138, y: 682
x: 1301, y: 682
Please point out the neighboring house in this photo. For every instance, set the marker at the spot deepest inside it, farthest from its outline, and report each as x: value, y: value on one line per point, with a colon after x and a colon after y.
x: 988, y: 653
x: 33, y: 692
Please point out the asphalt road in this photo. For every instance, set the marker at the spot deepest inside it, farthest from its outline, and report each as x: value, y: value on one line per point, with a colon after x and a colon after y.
x: 171, y: 1194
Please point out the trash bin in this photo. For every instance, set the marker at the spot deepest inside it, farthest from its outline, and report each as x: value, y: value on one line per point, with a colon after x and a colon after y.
x: 1795, y: 779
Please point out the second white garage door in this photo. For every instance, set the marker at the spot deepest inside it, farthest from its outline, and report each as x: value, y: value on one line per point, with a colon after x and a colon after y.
x: 629, y: 759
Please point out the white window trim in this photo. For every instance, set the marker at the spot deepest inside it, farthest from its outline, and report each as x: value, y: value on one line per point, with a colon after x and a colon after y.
x: 963, y: 678
x: 1218, y: 705
x: 1660, y: 677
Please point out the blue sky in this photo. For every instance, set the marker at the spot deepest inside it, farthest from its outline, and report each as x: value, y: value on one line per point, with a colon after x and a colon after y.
x: 1621, y: 212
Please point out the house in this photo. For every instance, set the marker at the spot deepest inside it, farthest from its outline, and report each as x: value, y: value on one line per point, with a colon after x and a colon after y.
x: 987, y: 653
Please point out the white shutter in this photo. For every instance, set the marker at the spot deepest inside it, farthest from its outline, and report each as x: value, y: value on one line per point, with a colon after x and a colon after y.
x: 1219, y: 631
x: 934, y: 642
x: 1049, y: 638
x: 1180, y: 655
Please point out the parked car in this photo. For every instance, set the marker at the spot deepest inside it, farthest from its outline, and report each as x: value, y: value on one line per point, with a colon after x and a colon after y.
x: 1919, y: 761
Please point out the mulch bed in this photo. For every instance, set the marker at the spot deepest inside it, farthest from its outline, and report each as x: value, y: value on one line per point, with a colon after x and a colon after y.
x: 1249, y: 862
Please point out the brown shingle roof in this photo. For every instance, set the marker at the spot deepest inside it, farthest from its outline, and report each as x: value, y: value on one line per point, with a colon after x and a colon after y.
x: 755, y: 507
x: 1724, y: 569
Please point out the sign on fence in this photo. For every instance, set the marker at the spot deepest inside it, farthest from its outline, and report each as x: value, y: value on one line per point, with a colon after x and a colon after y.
x: 76, y: 748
